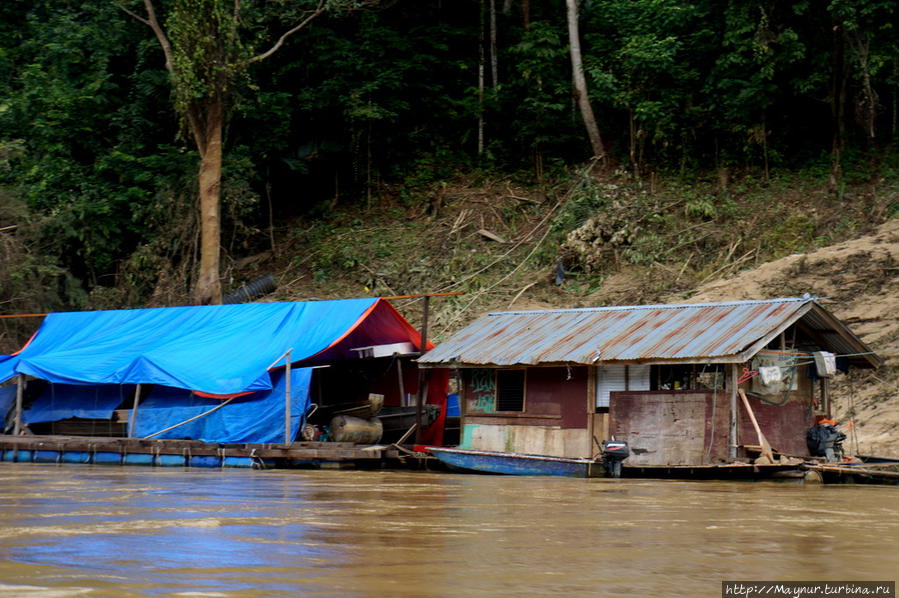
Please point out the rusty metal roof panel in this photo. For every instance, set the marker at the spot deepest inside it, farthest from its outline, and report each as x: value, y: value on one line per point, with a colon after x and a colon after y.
x: 635, y: 333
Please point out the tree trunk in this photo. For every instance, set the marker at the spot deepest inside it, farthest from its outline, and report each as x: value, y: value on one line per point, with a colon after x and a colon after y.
x: 208, y: 288
x: 494, y: 61
x: 866, y: 106
x: 481, y: 56
x: 580, y: 83
x: 205, y: 114
x: 838, y: 107
x: 632, y: 149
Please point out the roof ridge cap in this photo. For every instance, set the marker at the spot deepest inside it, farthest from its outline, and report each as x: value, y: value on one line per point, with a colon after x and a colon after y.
x: 654, y: 306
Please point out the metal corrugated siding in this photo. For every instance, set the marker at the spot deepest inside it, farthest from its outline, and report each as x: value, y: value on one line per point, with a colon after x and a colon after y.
x: 638, y: 333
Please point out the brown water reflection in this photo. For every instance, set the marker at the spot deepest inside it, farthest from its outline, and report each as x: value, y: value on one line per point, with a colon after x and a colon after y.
x: 110, y: 532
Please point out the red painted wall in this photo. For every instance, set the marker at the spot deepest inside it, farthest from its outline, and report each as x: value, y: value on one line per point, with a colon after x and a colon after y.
x: 558, y: 391
x: 553, y: 391
x: 783, y: 425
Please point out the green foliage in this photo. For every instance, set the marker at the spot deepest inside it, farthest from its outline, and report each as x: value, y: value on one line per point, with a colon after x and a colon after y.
x: 208, y: 52
x: 539, y: 60
x: 367, y: 100
x: 587, y: 198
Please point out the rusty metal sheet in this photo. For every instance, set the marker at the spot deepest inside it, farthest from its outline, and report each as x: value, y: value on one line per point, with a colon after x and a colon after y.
x: 718, y: 332
x: 668, y: 428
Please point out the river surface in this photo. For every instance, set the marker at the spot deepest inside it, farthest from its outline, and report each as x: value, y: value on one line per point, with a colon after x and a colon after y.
x: 97, y: 531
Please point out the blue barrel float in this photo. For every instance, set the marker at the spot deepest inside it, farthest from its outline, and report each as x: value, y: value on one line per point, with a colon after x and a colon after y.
x: 237, y: 462
x: 138, y: 459
x: 107, y: 458
x: 205, y: 461
x: 75, y: 457
x: 18, y: 456
x: 171, y: 460
x: 46, y: 456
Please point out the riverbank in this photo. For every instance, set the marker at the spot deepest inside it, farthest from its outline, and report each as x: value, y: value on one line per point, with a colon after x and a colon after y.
x: 118, y: 532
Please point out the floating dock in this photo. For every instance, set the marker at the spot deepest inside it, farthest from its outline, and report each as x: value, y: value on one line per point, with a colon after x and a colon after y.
x: 192, y: 453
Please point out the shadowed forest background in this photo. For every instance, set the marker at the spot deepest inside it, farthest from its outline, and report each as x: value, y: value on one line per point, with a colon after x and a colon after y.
x: 413, y: 146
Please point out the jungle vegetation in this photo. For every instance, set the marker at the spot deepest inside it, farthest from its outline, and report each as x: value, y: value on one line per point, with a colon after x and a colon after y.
x: 109, y: 110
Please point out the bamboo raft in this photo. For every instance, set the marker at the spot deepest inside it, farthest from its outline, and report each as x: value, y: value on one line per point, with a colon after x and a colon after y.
x: 192, y: 453
x: 864, y: 473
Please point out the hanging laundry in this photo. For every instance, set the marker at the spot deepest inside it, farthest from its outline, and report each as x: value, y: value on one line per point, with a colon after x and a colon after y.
x: 770, y: 374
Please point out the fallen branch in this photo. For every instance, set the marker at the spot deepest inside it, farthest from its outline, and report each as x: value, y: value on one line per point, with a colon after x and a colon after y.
x: 521, y: 292
x: 745, y: 257
x: 492, y: 236
x: 682, y: 270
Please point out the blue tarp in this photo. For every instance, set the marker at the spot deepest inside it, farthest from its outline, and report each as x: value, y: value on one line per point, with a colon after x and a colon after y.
x: 7, y: 400
x: 217, y: 349
x: 63, y: 401
x: 258, y: 417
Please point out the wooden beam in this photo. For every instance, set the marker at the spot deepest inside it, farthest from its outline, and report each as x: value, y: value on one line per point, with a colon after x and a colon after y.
x: 591, y: 408
x: 399, y: 371
x: 288, y: 437
x: 420, y: 399
x: 424, y: 295
x: 20, y: 394
x: 133, y: 419
x: 732, y: 432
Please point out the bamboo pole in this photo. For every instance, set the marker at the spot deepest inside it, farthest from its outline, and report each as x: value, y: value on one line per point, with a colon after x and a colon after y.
x: 187, y: 421
x: 419, y: 296
x: 287, y: 435
x: 767, y: 453
x: 20, y: 395
x: 133, y: 419
x: 732, y: 435
x: 405, y: 436
x: 399, y: 369
x: 420, y: 399
x: 591, y: 409
x: 280, y: 357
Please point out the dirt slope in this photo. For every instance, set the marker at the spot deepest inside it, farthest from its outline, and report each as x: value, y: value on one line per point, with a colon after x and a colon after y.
x: 857, y: 280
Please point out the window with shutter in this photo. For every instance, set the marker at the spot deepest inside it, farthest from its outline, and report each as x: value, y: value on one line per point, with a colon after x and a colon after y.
x: 510, y: 390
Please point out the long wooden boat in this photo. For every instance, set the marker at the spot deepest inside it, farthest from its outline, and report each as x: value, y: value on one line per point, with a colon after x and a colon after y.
x: 517, y: 463
x: 477, y: 461
x: 883, y: 472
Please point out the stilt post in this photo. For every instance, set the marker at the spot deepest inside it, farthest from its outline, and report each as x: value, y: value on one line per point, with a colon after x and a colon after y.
x: 287, y: 435
x: 420, y: 399
x: 732, y: 432
x: 133, y: 420
x: 20, y: 394
x: 399, y: 372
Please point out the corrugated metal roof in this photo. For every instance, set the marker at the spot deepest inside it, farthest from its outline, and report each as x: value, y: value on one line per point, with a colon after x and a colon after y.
x: 719, y: 332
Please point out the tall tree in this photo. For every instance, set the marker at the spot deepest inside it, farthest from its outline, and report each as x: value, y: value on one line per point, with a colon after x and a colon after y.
x: 208, y: 48
x: 580, y: 83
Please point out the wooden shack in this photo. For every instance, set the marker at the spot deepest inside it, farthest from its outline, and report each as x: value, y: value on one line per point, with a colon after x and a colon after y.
x: 664, y: 378
x: 243, y: 374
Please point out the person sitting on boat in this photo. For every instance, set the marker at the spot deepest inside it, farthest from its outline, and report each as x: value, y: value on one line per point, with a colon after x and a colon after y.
x: 823, y: 439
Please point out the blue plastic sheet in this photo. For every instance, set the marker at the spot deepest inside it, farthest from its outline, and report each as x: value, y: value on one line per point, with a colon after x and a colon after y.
x: 258, y: 417
x: 216, y: 349
x: 8, y: 365
x: 7, y: 400
x: 64, y: 401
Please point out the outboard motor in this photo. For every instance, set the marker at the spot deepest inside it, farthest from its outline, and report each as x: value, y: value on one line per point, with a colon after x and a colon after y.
x: 613, y: 453
x: 825, y: 440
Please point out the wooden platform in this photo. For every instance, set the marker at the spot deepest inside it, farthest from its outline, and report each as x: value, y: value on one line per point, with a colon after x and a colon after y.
x: 298, y: 454
x: 725, y: 471
x: 864, y: 473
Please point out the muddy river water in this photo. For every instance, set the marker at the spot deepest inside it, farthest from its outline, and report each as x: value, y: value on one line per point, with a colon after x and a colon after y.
x: 112, y: 531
